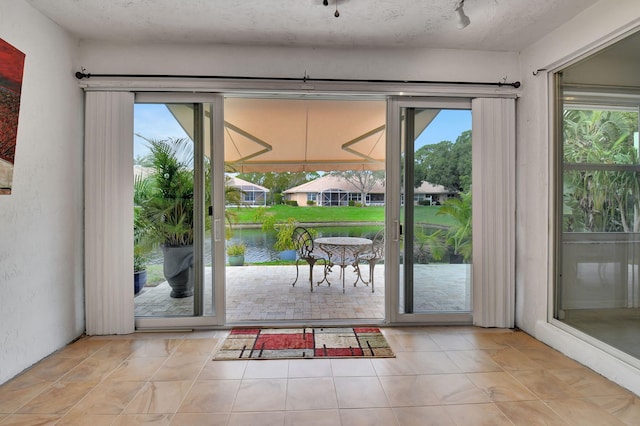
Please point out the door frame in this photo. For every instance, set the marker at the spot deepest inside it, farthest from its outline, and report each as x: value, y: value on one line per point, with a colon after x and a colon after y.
x: 393, y: 217
x: 100, y: 297
x: 216, y: 148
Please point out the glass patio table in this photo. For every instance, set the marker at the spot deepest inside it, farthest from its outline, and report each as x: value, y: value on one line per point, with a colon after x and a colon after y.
x: 343, y: 252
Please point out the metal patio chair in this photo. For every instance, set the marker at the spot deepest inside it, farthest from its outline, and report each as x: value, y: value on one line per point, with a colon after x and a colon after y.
x: 303, y: 243
x: 373, y: 256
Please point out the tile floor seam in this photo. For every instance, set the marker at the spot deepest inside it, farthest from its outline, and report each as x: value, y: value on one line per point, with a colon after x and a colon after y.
x: 586, y: 399
x: 59, y: 381
x: 105, y: 379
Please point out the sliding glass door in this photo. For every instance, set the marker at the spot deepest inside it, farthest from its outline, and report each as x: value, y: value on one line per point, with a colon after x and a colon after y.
x: 430, y: 211
x: 177, y: 230
x: 598, y: 284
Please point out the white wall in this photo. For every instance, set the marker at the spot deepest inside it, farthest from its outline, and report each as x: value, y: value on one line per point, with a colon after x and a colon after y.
x: 41, y: 279
x: 411, y: 64
x: 533, y: 262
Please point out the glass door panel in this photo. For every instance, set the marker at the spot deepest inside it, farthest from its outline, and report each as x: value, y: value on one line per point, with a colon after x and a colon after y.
x: 598, y: 284
x: 311, y: 163
x: 172, y: 178
x: 434, y: 244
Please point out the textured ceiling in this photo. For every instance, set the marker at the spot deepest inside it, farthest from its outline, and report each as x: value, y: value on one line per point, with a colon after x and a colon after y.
x: 499, y: 25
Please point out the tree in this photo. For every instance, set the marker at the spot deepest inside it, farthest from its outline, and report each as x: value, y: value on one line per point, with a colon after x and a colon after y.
x: 597, y: 198
x: 363, y: 180
x: 445, y: 163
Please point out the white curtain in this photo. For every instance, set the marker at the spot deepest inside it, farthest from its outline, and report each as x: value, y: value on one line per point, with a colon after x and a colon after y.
x: 493, y: 195
x: 109, y: 213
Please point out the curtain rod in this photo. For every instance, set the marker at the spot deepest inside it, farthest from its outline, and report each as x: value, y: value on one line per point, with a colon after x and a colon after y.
x: 82, y: 74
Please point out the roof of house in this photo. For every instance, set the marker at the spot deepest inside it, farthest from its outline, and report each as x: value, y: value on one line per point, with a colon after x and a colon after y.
x: 245, y: 185
x: 336, y: 183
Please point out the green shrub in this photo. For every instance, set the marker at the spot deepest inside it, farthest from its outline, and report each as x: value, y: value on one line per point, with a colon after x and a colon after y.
x: 236, y: 249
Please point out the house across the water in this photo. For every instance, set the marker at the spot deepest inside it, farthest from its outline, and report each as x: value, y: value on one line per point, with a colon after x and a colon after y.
x: 252, y: 194
x: 334, y: 190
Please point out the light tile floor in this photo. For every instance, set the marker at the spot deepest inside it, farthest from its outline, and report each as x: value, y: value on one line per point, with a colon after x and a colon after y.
x: 265, y: 293
x: 440, y: 376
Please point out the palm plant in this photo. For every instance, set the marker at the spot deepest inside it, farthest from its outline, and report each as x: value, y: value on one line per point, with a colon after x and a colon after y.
x: 164, y: 212
x: 168, y: 207
x: 458, y: 236
x: 596, y: 197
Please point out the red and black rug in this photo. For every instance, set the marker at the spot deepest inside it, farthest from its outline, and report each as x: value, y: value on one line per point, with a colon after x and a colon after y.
x: 307, y: 342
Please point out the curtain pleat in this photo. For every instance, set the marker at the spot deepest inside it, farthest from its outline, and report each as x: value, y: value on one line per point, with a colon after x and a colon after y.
x: 109, y: 213
x: 493, y: 197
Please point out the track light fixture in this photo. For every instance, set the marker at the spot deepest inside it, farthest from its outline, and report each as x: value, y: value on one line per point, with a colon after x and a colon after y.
x: 326, y: 3
x: 463, y: 20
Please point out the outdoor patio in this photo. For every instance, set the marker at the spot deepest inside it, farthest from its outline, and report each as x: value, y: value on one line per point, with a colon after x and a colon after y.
x: 264, y: 293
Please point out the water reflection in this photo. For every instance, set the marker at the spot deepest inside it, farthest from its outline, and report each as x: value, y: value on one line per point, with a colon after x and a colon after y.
x: 260, y: 244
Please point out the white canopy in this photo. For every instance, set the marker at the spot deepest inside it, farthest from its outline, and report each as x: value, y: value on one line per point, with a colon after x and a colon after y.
x: 302, y: 134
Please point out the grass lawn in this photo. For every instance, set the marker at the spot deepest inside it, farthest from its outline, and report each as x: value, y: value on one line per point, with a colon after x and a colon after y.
x: 313, y: 214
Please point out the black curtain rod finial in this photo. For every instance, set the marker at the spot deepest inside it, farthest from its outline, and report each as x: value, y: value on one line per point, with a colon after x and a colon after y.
x: 515, y: 84
x: 80, y: 75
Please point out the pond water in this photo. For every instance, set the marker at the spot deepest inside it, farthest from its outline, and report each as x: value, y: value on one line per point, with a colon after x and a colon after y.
x: 260, y: 244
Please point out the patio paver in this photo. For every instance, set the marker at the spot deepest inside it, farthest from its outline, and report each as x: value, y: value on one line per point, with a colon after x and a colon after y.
x: 264, y: 293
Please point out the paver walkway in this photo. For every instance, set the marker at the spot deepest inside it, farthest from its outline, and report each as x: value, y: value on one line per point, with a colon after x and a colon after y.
x: 264, y: 293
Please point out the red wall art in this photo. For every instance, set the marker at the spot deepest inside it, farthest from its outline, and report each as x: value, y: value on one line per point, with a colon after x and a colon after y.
x: 11, y: 66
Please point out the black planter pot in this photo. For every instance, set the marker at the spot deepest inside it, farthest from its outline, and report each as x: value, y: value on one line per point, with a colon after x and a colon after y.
x: 139, y: 280
x: 178, y: 269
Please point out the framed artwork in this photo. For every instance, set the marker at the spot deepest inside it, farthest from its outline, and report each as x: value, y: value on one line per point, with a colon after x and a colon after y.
x: 11, y: 67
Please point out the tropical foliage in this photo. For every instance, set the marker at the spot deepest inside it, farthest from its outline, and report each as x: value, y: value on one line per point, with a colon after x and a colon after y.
x: 284, y: 235
x: 445, y: 163
x: 458, y: 236
x: 167, y: 208
x: 600, y: 183
x: 164, y: 199
x: 284, y: 230
x: 237, y: 249
x: 140, y: 250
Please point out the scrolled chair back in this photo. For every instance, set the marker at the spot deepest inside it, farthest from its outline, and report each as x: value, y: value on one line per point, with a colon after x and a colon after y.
x: 378, y: 245
x: 302, y: 241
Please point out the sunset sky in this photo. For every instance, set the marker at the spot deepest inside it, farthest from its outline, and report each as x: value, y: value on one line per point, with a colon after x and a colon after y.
x: 11, y: 64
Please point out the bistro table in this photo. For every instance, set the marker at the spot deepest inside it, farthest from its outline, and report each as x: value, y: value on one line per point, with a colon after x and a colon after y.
x: 343, y: 251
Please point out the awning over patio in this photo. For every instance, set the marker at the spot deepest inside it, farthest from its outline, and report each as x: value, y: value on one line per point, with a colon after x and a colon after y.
x: 303, y: 134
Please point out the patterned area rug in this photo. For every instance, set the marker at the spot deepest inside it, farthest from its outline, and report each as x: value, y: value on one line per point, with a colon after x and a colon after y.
x: 307, y: 342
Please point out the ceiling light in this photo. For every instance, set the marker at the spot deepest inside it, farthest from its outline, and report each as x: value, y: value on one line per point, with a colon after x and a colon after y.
x: 463, y: 20
x: 326, y: 3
